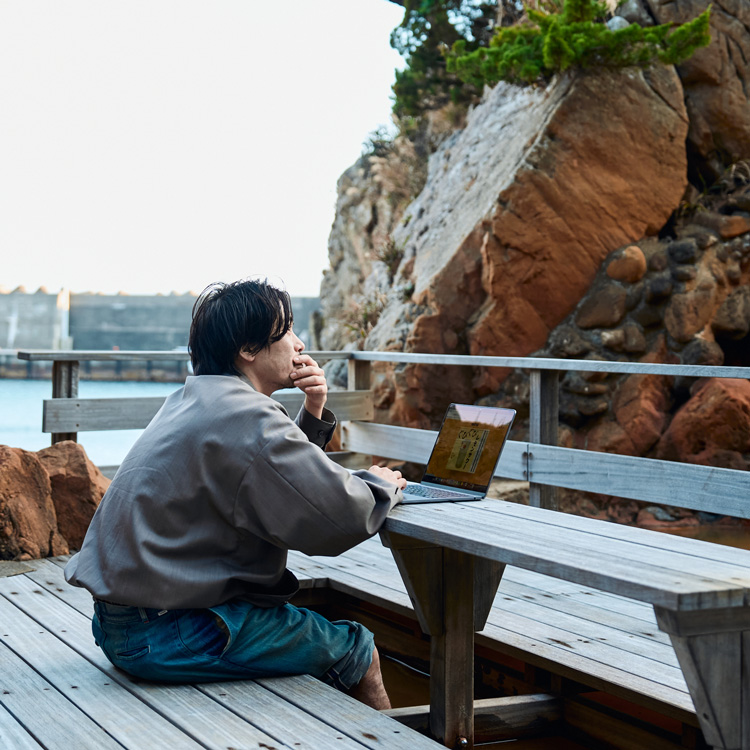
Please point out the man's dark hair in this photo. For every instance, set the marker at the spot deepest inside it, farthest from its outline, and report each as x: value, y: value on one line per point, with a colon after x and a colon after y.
x: 228, y: 318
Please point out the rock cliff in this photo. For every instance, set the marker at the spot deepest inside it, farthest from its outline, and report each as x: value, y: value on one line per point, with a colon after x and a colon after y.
x: 605, y: 216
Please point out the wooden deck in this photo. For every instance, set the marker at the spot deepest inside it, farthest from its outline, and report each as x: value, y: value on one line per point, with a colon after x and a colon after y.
x: 58, y: 691
x: 597, y: 639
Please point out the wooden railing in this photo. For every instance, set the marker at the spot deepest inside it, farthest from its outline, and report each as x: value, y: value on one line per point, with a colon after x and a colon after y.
x: 539, y: 460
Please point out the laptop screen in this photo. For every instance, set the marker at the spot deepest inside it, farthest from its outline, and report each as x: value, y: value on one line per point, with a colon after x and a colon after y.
x: 468, y: 446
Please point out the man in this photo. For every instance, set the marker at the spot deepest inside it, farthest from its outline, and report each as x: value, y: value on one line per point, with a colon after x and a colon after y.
x: 186, y: 554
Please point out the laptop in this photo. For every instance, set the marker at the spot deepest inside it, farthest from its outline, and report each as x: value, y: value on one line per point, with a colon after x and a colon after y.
x: 465, y: 455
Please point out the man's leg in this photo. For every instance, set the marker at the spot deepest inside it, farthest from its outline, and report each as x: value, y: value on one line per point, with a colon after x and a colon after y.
x: 370, y: 689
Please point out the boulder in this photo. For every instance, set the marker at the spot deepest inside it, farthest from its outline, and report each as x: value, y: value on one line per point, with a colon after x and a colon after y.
x: 716, y: 80
x: 602, y: 309
x: 77, y: 488
x: 629, y: 264
x: 733, y: 317
x: 28, y: 522
x: 712, y: 428
x: 640, y: 406
x: 690, y: 311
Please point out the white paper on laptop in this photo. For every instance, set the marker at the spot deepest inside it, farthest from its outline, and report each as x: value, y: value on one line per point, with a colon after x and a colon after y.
x: 465, y: 455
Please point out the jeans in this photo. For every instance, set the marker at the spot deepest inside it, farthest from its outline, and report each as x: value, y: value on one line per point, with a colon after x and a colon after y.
x: 234, y: 640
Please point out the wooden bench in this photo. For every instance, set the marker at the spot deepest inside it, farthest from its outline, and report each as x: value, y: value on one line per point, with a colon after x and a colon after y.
x: 452, y: 558
x: 58, y: 691
x: 590, y: 638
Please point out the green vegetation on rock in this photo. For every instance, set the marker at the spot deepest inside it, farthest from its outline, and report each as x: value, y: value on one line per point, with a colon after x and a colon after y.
x: 428, y: 24
x: 574, y: 34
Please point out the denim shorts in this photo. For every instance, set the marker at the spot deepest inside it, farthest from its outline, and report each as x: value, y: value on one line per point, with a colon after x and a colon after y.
x: 235, y: 640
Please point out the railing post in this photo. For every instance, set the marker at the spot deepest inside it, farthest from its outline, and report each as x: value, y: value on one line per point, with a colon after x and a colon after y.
x: 543, y: 415
x: 64, y: 385
x: 358, y: 375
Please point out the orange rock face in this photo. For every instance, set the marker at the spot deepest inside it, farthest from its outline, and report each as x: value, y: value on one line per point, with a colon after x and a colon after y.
x: 28, y: 522
x: 77, y: 488
x: 517, y: 215
x: 578, y: 200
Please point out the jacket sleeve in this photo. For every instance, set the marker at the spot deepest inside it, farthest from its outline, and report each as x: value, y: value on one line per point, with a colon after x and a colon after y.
x: 318, y: 431
x: 293, y: 496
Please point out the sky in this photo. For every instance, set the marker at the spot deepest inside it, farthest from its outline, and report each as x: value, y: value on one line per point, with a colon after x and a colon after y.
x: 157, y: 146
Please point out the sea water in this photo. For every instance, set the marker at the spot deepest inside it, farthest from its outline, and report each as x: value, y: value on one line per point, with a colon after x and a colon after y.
x: 21, y: 415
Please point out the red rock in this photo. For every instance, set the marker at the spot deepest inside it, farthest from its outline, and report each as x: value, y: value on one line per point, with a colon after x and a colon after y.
x: 712, y: 428
x: 516, y: 217
x: 648, y: 520
x: 28, y: 522
x: 609, y: 437
x: 726, y: 226
x: 690, y: 312
x: 628, y: 264
x: 716, y: 79
x: 640, y: 406
x: 77, y: 488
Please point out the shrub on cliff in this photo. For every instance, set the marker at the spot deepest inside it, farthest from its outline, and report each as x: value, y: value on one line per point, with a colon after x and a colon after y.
x: 557, y: 38
x: 424, y: 83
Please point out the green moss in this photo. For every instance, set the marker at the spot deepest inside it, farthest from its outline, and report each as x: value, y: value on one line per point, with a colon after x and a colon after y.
x: 576, y: 36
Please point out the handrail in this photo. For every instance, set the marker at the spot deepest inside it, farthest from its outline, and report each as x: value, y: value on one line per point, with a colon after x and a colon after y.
x: 465, y: 360
x: 104, y: 355
x: 541, y: 363
x: 541, y: 462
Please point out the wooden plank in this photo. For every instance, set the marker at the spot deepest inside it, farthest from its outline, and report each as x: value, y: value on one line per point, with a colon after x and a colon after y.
x: 203, y: 719
x: 345, y: 404
x: 707, y: 488
x: 100, y: 355
x: 581, y: 619
x: 467, y: 528
x: 106, y: 355
x: 13, y: 736
x: 495, y: 719
x: 272, y: 715
x: 108, y: 704
x: 85, y: 415
x: 410, y: 444
x: 452, y: 656
x: 545, y: 363
x: 64, y: 385
x: 575, y: 664
x: 70, y: 727
x: 374, y: 729
x: 358, y: 375
x: 698, y: 556
x: 543, y: 417
x: 712, y: 489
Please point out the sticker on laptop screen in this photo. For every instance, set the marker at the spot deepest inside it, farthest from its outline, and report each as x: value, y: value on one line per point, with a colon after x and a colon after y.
x: 467, y: 450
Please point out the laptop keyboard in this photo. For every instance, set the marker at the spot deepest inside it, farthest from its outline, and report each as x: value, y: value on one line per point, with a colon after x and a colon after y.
x: 422, y: 491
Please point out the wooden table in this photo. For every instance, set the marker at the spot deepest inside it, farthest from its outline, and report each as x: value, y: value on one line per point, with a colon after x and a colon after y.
x: 452, y: 557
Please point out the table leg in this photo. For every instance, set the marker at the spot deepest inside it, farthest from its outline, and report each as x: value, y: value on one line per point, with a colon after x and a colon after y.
x: 713, y: 648
x: 452, y: 593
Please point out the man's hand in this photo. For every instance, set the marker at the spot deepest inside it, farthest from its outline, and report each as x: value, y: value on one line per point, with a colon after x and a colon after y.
x: 390, y: 476
x: 311, y: 380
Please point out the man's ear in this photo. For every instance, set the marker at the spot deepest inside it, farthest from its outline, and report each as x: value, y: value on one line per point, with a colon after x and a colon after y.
x: 245, y: 355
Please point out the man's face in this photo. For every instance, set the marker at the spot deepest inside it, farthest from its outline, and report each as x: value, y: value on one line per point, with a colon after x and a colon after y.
x: 273, y: 366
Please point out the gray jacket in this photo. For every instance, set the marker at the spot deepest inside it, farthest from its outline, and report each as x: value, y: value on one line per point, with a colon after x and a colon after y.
x: 212, y: 495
